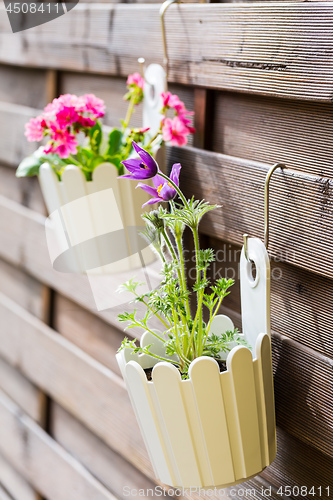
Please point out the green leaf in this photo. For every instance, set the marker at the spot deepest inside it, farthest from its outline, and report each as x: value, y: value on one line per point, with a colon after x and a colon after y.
x: 96, y: 136
x: 95, y: 162
x: 29, y: 167
x: 31, y: 164
x: 115, y: 142
x: 115, y: 160
x: 84, y: 155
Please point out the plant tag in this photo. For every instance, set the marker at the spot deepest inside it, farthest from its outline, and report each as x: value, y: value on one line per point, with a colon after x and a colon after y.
x: 155, y: 84
x: 255, y: 291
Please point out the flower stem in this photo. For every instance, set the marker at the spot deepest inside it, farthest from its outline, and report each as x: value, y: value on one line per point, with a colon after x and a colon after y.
x: 197, y: 248
x: 130, y: 110
x: 184, y: 200
x: 73, y: 161
x: 182, y: 271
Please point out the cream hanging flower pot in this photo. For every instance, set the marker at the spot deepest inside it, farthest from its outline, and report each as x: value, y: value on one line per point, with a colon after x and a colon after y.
x: 215, y: 428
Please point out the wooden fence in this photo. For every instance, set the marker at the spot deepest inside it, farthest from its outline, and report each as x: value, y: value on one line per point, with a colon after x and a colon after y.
x: 260, y: 79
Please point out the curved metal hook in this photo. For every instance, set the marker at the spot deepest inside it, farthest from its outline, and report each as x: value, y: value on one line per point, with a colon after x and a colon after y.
x: 163, y: 9
x: 266, y: 209
x: 266, y: 212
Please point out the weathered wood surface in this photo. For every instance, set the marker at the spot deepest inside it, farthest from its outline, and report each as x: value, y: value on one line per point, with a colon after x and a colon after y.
x: 47, y: 466
x: 15, y: 484
x: 297, y: 133
x: 25, y: 191
x: 300, y: 206
x: 298, y: 464
x: 89, y: 332
x: 20, y: 390
x: 25, y: 290
x: 25, y: 86
x: 107, y: 466
x: 309, y: 380
x: 265, y: 48
x: 91, y: 392
x: 13, y: 145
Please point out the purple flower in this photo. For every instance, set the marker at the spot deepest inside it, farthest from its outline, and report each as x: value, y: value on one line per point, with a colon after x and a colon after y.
x: 144, y: 167
x: 163, y: 190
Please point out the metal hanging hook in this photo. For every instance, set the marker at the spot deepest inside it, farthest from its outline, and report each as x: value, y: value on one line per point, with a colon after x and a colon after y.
x: 266, y: 209
x: 141, y: 62
x: 266, y: 212
x: 163, y: 9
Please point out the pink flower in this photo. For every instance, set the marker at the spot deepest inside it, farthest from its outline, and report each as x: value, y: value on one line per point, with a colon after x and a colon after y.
x: 66, y: 116
x: 136, y: 80
x: 89, y: 103
x: 172, y: 101
x: 175, y: 131
x: 86, y: 122
x: 187, y: 122
x: 34, y: 129
x: 65, y: 100
x: 64, y: 143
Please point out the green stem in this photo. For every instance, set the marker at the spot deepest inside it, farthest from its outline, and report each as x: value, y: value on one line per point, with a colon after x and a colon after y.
x: 130, y: 110
x: 179, y: 274
x: 153, y: 138
x: 156, y: 314
x: 184, y: 200
x: 182, y: 272
x: 197, y: 248
x: 214, y: 314
x: 73, y: 161
x: 145, y: 327
x: 162, y: 359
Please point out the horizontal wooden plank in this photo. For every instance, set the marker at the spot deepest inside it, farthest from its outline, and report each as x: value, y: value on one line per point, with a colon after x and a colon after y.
x: 26, y: 86
x: 265, y: 48
x: 299, y: 134
x: 13, y: 145
x: 299, y: 465
x: 89, y: 332
x: 20, y: 390
x: 21, y: 287
x: 4, y: 495
x: 22, y: 190
x: 300, y: 215
x: 108, y: 467
x: 14, y: 483
x: 299, y: 373
x: 303, y: 384
x: 42, y: 461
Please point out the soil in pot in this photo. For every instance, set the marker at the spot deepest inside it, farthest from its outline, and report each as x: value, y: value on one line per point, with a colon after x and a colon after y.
x: 222, y: 365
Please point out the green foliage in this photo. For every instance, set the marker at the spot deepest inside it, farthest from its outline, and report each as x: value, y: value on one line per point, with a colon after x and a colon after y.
x: 115, y: 142
x: 95, y: 137
x: 186, y: 331
x: 31, y: 164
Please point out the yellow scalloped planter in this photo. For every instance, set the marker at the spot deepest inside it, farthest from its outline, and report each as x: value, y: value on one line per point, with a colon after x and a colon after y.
x: 93, y: 225
x: 214, y: 429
